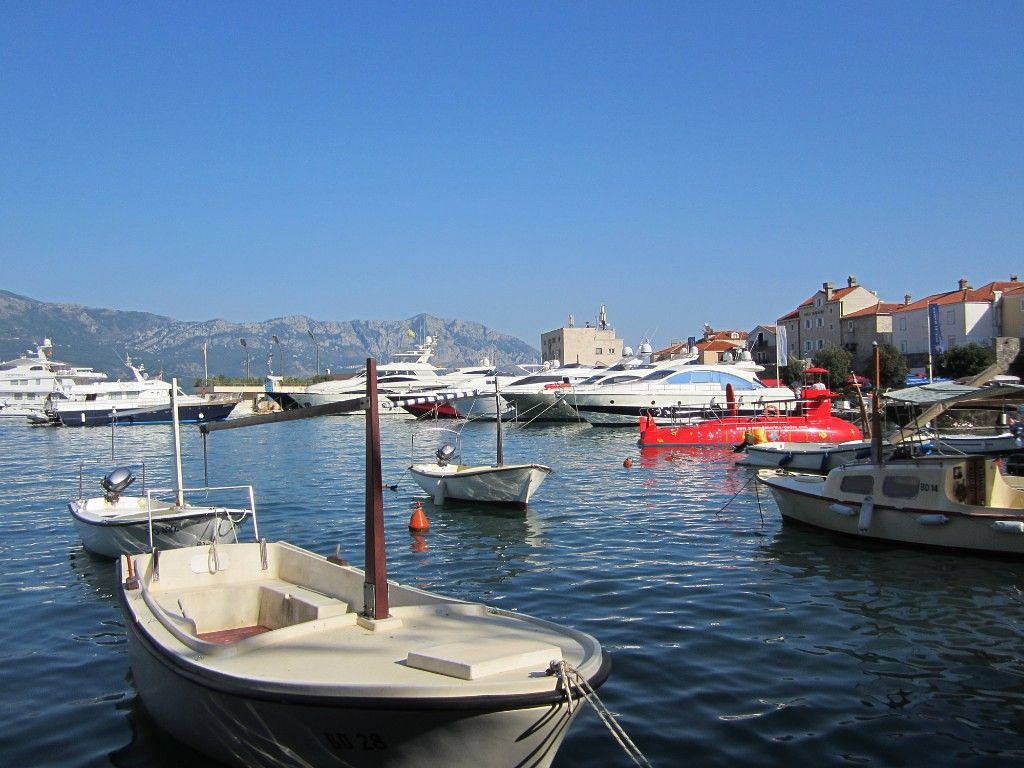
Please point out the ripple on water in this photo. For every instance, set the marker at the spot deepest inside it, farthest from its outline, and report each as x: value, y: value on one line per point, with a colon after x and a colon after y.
x: 735, y: 640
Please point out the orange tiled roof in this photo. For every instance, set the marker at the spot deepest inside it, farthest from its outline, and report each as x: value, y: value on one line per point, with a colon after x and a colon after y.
x: 881, y: 308
x: 985, y: 294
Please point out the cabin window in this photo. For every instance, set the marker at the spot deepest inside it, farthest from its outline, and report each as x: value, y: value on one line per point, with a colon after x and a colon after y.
x: 861, y: 485
x: 901, y: 486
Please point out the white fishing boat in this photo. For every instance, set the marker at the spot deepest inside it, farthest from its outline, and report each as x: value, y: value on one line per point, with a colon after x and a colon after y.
x: 27, y: 381
x: 950, y: 502
x: 114, y: 524
x: 1004, y: 442
x: 447, y: 478
x: 261, y: 654
x: 804, y: 457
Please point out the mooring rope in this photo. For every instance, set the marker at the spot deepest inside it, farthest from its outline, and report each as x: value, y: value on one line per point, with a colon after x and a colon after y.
x: 570, y: 679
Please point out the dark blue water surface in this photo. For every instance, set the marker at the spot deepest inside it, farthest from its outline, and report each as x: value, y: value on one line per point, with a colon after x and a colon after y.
x: 735, y: 641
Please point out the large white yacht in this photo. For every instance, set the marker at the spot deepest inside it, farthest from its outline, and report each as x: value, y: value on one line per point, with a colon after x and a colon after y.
x: 541, y: 397
x: 408, y: 371
x: 140, y: 400
x: 676, y: 389
x: 26, y: 382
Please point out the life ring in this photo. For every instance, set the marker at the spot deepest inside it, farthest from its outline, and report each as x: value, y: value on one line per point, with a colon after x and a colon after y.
x: 771, y: 411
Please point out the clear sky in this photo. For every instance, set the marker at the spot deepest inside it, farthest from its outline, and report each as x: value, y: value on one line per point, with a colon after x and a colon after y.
x: 508, y: 163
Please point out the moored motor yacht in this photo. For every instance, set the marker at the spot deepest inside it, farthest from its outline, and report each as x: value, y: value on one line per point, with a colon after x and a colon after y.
x: 408, y: 371
x: 675, y: 389
x: 139, y: 400
x: 27, y: 381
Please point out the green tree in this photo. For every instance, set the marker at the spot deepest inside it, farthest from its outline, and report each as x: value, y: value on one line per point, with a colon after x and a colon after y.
x: 968, y: 360
x: 793, y: 372
x: 892, y: 367
x: 837, y: 361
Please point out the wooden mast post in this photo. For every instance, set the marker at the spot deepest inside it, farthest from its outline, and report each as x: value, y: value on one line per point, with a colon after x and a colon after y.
x: 375, y: 586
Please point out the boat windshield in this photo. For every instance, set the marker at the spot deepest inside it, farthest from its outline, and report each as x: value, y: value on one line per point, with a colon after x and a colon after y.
x: 617, y: 380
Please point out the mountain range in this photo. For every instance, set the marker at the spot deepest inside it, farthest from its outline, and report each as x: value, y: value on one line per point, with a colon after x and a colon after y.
x: 101, y: 338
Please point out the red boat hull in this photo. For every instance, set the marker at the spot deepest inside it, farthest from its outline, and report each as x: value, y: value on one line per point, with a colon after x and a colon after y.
x: 815, y: 424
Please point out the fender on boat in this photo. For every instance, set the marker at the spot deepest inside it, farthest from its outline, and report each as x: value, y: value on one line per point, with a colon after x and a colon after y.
x: 867, y: 510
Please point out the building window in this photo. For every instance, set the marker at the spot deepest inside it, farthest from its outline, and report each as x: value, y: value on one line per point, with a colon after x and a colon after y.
x: 849, y: 326
x: 597, y: 351
x: 950, y: 342
x: 903, y: 325
x: 817, y: 302
x: 821, y: 344
x: 949, y: 316
x: 903, y: 347
x: 821, y: 322
x: 807, y: 346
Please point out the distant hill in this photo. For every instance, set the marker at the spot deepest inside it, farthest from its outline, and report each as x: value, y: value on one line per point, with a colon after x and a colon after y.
x: 101, y: 338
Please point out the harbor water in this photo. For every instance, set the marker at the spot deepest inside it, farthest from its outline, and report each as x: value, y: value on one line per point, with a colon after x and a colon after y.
x: 736, y: 641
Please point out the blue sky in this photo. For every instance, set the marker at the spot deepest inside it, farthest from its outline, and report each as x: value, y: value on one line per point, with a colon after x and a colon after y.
x: 508, y: 163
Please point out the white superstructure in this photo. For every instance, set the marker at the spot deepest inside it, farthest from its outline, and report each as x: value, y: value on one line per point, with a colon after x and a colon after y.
x: 25, y: 382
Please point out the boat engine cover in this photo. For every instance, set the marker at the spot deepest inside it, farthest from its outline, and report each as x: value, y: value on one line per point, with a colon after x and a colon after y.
x: 444, y: 454
x: 116, y: 481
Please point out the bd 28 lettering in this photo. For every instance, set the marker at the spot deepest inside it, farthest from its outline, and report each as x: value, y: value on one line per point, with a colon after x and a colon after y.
x: 367, y: 742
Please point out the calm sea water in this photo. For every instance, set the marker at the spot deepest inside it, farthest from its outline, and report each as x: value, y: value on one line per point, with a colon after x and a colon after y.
x: 735, y: 640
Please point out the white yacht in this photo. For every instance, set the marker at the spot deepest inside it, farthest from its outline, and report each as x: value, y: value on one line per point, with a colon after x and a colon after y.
x: 542, y: 397
x: 26, y: 382
x: 408, y: 371
x: 141, y: 400
x: 675, y: 389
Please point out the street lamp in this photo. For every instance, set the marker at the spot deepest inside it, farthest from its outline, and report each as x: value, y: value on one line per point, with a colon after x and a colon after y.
x: 316, y: 345
x: 246, y: 348
x: 280, y: 354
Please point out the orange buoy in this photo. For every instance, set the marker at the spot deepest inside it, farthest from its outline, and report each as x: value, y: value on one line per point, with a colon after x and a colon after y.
x: 418, y: 521
x: 628, y: 462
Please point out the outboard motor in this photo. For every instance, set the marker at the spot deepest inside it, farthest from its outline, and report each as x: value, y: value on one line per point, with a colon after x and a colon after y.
x: 444, y: 454
x: 115, y: 482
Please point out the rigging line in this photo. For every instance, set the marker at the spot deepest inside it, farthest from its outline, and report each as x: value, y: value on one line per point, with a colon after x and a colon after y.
x: 733, y: 497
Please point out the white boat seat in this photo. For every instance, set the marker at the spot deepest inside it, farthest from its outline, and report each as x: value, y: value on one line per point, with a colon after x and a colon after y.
x: 470, y: 660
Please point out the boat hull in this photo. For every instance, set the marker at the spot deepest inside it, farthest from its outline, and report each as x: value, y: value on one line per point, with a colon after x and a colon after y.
x: 804, y: 498
x: 123, y: 527
x: 72, y: 415
x: 805, y: 457
x: 311, y: 682
x: 512, y: 484
x: 735, y: 430
x: 244, y: 730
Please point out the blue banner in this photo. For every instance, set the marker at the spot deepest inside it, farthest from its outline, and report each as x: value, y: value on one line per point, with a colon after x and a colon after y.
x: 934, y: 330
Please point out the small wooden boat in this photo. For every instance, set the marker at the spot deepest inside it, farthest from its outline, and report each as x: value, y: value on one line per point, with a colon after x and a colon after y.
x: 500, y: 483
x: 115, y: 524
x: 951, y: 502
x: 813, y: 422
x: 261, y: 654
x: 448, y: 478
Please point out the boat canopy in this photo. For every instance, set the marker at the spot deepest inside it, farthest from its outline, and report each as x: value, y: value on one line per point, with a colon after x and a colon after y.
x: 945, y: 392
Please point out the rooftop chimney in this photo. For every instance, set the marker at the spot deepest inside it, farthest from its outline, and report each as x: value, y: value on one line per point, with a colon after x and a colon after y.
x: 851, y: 281
x: 828, y: 291
x: 906, y: 298
x: 1013, y: 278
x: 964, y: 285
